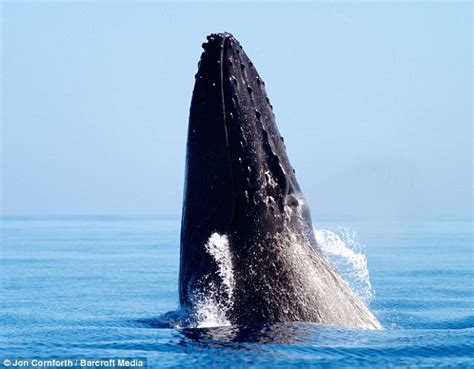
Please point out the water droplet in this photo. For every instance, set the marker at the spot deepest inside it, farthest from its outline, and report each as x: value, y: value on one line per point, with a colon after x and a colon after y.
x: 235, y: 101
x: 249, y: 89
x: 259, y: 81
x: 282, y: 139
x: 257, y: 114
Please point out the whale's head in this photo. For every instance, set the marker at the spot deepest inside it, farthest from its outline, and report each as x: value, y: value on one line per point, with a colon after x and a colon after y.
x: 237, y: 166
x: 239, y: 181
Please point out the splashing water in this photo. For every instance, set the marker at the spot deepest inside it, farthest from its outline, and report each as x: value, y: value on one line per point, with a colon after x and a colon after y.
x: 209, y: 312
x: 213, y: 304
x: 218, y: 247
x: 342, y: 247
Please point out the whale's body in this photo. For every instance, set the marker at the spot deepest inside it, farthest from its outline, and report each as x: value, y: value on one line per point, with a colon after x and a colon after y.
x: 241, y: 185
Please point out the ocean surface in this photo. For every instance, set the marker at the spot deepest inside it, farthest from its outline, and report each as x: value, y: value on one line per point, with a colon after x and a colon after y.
x: 104, y: 287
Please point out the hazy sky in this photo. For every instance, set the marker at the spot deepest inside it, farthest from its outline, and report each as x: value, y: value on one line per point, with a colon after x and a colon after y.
x: 374, y: 101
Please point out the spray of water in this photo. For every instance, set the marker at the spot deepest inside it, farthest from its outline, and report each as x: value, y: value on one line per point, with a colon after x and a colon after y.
x: 212, y: 305
x: 343, y: 248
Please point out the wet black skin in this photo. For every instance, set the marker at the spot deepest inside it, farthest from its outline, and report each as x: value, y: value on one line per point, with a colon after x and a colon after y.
x: 233, y: 148
x: 239, y: 182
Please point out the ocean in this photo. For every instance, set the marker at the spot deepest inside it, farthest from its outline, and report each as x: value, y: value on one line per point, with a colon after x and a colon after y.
x: 103, y: 287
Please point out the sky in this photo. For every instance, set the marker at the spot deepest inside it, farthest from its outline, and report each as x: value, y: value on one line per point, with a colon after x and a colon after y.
x: 374, y: 100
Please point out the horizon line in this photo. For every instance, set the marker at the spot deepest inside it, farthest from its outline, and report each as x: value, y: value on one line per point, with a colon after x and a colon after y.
x: 327, y: 217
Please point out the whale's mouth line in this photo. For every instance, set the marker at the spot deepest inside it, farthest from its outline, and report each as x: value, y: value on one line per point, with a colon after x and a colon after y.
x: 226, y: 130
x: 229, y: 132
x: 224, y: 112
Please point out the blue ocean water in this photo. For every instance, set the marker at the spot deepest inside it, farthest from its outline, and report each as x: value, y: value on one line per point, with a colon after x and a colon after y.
x: 97, y: 287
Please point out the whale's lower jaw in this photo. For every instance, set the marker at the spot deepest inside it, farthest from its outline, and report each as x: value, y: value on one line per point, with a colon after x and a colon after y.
x: 280, y: 277
x: 294, y: 282
x: 241, y: 185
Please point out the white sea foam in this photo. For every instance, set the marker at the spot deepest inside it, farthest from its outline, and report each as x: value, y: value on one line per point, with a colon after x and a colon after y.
x: 209, y: 313
x: 342, y: 247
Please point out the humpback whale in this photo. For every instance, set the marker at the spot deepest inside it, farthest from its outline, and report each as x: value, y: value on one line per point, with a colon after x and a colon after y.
x: 241, y: 189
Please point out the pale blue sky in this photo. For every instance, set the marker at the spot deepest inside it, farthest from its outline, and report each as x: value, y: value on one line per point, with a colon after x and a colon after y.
x: 374, y: 101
